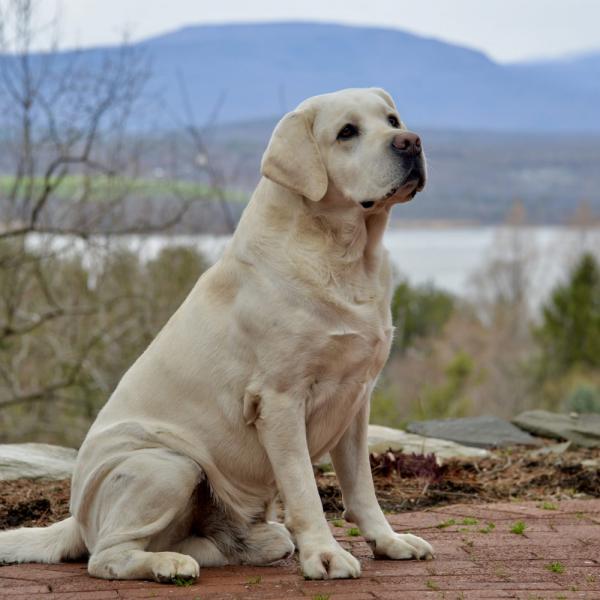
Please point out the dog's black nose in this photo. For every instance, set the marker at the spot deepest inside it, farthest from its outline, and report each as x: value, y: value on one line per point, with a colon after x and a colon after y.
x: 407, y: 142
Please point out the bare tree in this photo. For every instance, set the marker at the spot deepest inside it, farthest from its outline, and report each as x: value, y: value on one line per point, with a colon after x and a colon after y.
x: 69, y: 172
x: 202, y: 159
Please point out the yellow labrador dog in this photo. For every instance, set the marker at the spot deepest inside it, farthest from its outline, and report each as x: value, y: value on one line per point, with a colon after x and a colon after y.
x: 269, y: 363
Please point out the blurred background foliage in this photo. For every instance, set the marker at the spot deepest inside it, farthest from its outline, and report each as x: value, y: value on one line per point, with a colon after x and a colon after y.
x: 57, y: 374
x: 450, y: 360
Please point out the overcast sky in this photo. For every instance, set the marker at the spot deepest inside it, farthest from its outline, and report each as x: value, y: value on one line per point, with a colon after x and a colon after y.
x: 506, y: 30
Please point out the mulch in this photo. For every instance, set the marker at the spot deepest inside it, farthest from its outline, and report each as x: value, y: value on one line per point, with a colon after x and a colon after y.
x: 407, y: 482
x: 404, y: 482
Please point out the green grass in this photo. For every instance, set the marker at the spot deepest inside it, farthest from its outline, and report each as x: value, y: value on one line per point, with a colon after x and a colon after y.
x: 254, y: 580
x: 105, y: 188
x: 338, y: 522
x: 432, y: 585
x: 518, y: 528
x: 556, y: 567
x: 488, y: 528
x: 182, y: 581
x: 548, y: 506
x: 353, y: 531
x: 321, y: 597
x: 445, y: 524
x: 469, y: 521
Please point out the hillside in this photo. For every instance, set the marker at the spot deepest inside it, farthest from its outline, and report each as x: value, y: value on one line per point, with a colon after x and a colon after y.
x: 260, y: 70
x: 254, y: 71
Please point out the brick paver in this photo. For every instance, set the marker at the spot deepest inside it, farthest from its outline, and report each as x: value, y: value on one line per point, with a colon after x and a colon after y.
x: 478, y: 557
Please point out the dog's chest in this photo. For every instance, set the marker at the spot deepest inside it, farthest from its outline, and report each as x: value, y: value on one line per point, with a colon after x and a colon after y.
x: 349, y: 362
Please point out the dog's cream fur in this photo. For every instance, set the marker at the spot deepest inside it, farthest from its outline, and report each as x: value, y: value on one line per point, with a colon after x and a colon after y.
x: 269, y: 363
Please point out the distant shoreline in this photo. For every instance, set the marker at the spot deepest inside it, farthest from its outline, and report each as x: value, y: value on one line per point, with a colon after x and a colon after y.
x: 432, y: 224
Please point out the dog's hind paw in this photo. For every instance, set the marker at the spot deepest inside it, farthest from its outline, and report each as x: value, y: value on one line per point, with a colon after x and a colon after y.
x: 171, y: 567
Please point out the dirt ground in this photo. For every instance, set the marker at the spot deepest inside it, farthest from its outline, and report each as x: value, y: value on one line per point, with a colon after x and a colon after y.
x: 404, y: 482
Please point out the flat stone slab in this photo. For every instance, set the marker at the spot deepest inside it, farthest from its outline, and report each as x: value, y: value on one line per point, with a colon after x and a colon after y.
x: 36, y: 461
x: 480, y: 432
x: 580, y: 429
x: 556, y: 556
x: 383, y: 438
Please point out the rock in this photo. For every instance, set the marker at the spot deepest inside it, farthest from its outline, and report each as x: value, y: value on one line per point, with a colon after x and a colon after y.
x: 553, y: 449
x: 383, y: 438
x: 36, y: 461
x: 481, y: 432
x: 581, y: 429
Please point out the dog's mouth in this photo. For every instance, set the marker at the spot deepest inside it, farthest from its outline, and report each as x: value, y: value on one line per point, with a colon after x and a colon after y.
x: 405, y: 191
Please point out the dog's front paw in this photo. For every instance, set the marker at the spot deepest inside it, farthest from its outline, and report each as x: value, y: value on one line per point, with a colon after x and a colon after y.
x: 328, y: 562
x: 403, y: 546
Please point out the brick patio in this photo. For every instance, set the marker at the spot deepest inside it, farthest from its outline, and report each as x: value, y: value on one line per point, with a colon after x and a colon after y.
x: 557, y: 556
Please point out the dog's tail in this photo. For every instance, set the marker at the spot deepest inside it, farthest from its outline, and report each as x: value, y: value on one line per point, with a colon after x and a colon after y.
x: 42, y: 544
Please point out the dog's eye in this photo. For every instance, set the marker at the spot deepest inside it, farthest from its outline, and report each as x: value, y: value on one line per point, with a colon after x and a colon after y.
x: 347, y: 131
x: 393, y: 121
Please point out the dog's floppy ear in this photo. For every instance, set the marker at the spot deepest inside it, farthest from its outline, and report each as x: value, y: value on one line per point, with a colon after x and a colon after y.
x: 292, y: 158
x: 383, y: 94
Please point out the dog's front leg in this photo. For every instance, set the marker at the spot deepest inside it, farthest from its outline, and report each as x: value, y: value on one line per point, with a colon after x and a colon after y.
x: 351, y: 463
x: 281, y: 425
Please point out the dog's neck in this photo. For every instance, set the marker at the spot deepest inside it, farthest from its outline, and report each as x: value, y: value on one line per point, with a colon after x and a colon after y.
x: 334, y: 231
x: 357, y: 234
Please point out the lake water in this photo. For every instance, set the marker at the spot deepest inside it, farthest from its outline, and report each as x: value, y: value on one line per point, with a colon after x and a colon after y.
x: 447, y: 257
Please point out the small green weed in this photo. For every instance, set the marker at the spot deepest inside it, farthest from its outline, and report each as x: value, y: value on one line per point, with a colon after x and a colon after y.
x: 556, y: 567
x: 488, y: 528
x: 548, y: 506
x: 353, y: 531
x: 445, y: 524
x: 254, y: 580
x: 338, y: 522
x: 321, y: 597
x: 182, y: 581
x: 432, y: 585
x: 518, y: 528
x: 469, y: 521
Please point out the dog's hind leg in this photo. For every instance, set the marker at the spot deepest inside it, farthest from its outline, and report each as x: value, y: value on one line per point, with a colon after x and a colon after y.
x: 219, y: 538
x: 142, y: 502
x: 204, y: 551
x: 261, y: 544
x: 267, y: 543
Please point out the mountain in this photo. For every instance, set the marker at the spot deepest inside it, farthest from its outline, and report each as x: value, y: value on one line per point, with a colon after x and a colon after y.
x: 253, y: 71
x: 580, y: 72
x: 258, y: 71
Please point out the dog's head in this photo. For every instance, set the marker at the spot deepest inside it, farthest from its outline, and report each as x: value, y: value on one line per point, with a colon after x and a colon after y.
x: 350, y: 143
